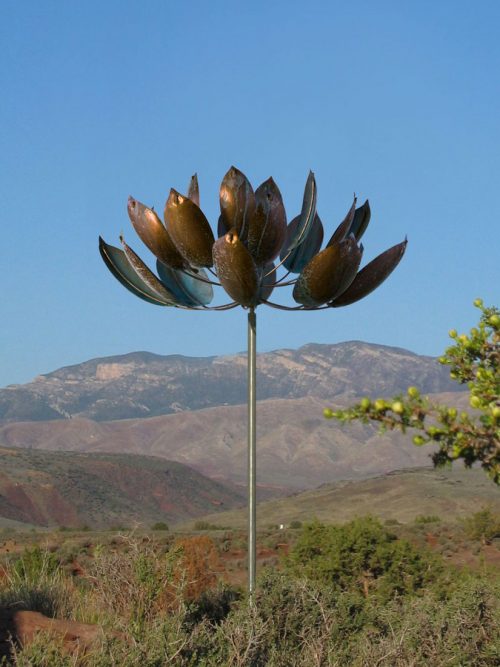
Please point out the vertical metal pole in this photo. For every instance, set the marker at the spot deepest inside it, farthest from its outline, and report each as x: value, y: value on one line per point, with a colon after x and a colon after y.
x: 252, y: 422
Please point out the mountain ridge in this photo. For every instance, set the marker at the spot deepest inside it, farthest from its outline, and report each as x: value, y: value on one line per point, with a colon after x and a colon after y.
x: 143, y: 384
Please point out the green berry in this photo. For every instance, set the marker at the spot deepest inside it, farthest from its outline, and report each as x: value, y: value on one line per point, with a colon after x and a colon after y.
x: 398, y: 407
x: 478, y: 303
x: 327, y: 413
x: 418, y: 440
x: 496, y: 412
x: 494, y: 320
x: 413, y: 392
x: 475, y: 402
x: 365, y: 403
x: 452, y: 333
x: 380, y: 404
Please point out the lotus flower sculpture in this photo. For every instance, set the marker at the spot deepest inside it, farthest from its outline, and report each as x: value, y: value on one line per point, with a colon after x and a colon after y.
x: 253, y: 244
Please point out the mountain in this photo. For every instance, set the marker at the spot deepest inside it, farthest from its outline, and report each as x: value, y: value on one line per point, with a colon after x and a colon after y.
x: 401, y: 495
x: 64, y: 488
x: 296, y: 447
x: 142, y: 384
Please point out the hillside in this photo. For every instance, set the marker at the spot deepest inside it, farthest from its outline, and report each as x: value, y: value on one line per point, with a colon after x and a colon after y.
x: 142, y: 384
x: 100, y: 490
x: 401, y: 495
x: 296, y: 447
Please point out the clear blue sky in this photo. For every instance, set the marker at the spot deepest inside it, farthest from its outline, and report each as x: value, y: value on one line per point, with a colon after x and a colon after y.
x: 397, y: 101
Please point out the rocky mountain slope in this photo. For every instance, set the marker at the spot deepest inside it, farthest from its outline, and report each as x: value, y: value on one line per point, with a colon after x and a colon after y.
x: 46, y: 488
x: 142, y: 384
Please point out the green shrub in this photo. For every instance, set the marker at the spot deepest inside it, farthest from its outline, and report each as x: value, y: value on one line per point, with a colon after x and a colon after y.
x: 483, y: 525
x: 361, y: 555
x: 427, y: 518
x: 159, y: 525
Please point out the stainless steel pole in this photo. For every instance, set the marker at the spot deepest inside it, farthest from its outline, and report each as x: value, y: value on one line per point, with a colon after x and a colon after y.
x: 252, y: 422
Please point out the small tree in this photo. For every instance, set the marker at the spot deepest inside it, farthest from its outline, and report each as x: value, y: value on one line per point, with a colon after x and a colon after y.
x: 474, y: 360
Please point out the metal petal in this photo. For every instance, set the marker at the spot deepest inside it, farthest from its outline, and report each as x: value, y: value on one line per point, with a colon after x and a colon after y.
x: 303, y: 253
x: 236, y: 269
x: 329, y: 273
x: 237, y: 202
x: 187, y: 288
x: 372, y: 275
x: 307, y: 214
x: 267, y: 229
x: 194, y: 190
x: 146, y: 275
x: 361, y: 219
x: 189, y: 229
x: 344, y: 229
x: 153, y: 234
x: 221, y: 229
x: 267, y: 281
x: 117, y: 263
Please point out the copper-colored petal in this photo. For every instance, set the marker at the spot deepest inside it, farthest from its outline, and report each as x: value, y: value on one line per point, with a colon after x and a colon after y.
x: 153, y: 234
x: 307, y: 215
x: 267, y: 229
x: 344, y: 228
x: 189, y: 230
x: 237, y: 202
x: 329, y: 273
x: 267, y: 281
x: 221, y: 229
x: 371, y: 276
x: 360, y: 221
x: 146, y: 275
x: 236, y: 269
x: 194, y: 190
x: 118, y: 264
x: 298, y: 258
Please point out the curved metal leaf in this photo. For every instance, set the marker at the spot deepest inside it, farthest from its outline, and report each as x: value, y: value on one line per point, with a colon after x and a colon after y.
x: 237, y: 202
x: 307, y: 214
x: 194, y: 190
x: 343, y: 230
x: 267, y: 229
x: 145, y: 274
x: 267, y: 281
x: 361, y: 219
x: 189, y: 230
x: 298, y: 258
x: 236, y: 269
x: 153, y: 234
x: 221, y: 229
x: 187, y: 288
x: 371, y: 276
x: 118, y: 265
x: 329, y: 273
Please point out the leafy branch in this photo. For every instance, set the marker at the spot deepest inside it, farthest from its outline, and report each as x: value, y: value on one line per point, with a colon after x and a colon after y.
x: 474, y: 360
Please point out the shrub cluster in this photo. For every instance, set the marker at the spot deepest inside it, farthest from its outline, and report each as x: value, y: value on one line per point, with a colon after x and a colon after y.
x: 316, y: 611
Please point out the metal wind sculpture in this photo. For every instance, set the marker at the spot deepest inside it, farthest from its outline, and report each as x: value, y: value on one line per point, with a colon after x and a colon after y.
x: 254, y: 241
